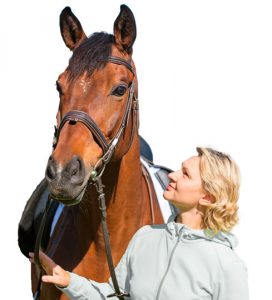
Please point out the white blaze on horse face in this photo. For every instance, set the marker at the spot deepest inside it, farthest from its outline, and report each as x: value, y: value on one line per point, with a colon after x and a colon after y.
x: 85, y: 85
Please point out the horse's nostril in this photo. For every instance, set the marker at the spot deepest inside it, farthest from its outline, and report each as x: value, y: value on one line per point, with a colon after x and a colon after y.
x: 76, y: 170
x: 50, y: 170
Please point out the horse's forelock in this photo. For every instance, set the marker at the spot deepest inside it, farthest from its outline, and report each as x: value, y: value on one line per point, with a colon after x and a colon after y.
x: 91, y: 54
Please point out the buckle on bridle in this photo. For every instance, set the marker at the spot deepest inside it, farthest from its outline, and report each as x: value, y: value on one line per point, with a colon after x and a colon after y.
x: 118, y: 295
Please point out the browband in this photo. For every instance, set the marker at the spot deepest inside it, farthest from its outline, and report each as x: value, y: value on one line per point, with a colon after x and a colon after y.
x: 120, y: 61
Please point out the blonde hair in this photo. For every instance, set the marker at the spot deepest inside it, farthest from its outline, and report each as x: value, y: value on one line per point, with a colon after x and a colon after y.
x: 220, y: 179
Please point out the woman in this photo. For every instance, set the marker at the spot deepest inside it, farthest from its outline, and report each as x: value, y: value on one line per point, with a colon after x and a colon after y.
x: 190, y: 257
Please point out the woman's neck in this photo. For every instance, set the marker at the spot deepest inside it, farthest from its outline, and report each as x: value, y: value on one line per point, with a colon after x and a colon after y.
x: 192, y: 219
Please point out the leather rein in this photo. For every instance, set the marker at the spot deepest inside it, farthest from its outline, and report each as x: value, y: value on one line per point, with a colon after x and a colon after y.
x: 95, y: 175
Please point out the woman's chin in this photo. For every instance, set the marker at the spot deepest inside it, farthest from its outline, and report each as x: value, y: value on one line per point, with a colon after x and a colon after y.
x: 166, y: 195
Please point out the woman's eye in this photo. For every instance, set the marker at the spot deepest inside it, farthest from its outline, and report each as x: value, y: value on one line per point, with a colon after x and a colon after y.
x: 185, y: 173
x: 119, y: 91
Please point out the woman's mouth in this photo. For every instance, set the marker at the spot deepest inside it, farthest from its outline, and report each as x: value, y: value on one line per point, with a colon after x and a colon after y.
x: 169, y: 187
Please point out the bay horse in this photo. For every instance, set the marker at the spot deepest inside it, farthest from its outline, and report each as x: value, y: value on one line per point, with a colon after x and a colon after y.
x: 94, y: 92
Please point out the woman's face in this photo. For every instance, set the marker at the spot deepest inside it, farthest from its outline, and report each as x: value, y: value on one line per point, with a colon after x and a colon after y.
x: 185, y: 189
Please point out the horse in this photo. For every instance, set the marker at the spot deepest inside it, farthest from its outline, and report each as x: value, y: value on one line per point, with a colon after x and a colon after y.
x: 98, y: 111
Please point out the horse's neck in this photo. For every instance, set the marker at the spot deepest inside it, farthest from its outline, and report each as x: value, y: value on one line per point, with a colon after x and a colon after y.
x: 123, y: 187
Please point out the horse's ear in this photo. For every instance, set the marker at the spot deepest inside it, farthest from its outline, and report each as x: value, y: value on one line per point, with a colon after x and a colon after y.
x: 71, y: 29
x: 125, y: 29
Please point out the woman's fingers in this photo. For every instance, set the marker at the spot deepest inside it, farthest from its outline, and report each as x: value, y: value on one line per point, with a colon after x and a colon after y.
x: 55, y: 280
x: 60, y: 277
x: 49, y: 279
x: 56, y: 274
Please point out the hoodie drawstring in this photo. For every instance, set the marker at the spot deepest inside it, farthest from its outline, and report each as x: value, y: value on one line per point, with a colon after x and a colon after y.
x: 168, y: 267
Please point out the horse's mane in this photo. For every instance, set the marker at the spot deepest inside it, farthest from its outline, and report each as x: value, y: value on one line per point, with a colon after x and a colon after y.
x: 91, y: 54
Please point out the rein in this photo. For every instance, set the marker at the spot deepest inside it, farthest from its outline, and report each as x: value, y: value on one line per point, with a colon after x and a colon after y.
x: 95, y: 175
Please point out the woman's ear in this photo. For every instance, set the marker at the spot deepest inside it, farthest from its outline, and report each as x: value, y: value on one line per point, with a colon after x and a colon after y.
x: 206, y: 200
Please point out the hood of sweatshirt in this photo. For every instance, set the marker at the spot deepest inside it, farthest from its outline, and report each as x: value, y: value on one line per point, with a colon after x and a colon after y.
x: 178, y: 229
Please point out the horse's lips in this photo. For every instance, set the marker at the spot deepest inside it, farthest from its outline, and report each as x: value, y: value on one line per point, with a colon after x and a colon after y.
x: 73, y: 201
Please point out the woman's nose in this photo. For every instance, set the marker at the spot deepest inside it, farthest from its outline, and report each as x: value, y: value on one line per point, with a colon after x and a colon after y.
x: 173, y: 176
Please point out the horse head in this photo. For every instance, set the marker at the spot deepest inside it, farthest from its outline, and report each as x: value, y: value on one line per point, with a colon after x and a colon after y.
x: 96, y: 115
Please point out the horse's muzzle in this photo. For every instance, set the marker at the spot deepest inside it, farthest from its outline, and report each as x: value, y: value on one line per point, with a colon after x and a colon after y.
x: 66, y: 183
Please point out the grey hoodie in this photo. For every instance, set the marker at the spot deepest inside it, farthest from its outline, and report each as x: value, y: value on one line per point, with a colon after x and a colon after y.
x: 172, y: 261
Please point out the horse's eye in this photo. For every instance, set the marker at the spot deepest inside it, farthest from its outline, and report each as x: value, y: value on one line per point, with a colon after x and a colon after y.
x: 59, y: 89
x: 119, y: 91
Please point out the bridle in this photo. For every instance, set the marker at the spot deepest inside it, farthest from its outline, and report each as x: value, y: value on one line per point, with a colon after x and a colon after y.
x: 95, y: 175
x: 75, y: 116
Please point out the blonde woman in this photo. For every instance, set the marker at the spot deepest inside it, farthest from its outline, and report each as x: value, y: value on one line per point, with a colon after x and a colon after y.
x: 190, y: 257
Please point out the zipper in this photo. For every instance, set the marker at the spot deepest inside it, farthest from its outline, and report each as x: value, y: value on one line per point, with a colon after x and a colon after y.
x: 168, y: 267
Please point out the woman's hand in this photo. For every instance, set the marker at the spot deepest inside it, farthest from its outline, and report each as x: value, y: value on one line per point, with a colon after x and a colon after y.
x: 55, y: 274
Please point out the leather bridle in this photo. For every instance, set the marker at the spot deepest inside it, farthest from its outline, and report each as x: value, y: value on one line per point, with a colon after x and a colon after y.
x: 73, y: 117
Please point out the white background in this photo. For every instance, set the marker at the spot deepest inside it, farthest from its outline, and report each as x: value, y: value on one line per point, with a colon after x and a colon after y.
x: 205, y: 74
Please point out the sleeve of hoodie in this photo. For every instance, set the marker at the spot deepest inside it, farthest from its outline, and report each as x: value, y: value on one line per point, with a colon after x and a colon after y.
x: 234, y: 285
x: 81, y: 288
